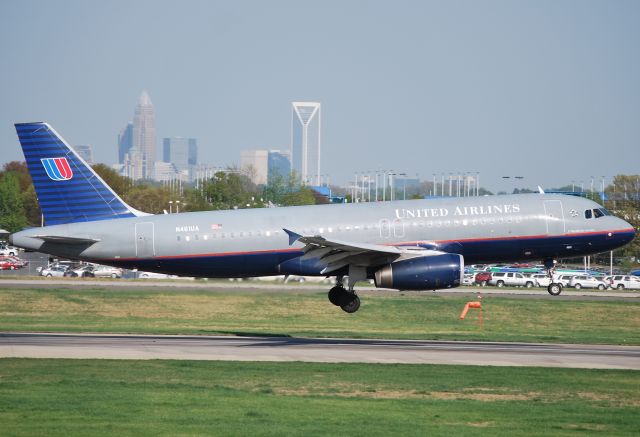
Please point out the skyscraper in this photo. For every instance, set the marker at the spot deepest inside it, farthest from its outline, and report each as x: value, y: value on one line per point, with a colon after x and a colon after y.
x: 85, y: 152
x: 305, y: 141
x: 254, y: 163
x: 144, y: 134
x: 278, y: 165
x: 125, y: 142
x: 181, y: 152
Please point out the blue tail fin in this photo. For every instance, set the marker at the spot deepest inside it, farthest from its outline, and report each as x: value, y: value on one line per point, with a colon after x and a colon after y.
x: 68, y: 189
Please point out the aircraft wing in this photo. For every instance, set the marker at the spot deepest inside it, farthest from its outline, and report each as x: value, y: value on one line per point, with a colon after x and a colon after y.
x: 338, y: 254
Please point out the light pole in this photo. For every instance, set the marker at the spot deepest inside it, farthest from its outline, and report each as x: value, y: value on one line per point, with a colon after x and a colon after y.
x: 433, y: 191
x: 177, y: 206
x: 404, y: 186
x: 170, y: 205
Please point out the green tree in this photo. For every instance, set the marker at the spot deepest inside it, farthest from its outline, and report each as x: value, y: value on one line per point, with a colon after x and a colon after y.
x: 303, y: 196
x: 29, y: 198
x: 149, y: 199
x: 624, y: 201
x: 119, y: 184
x: 227, y: 190
x: 12, y: 214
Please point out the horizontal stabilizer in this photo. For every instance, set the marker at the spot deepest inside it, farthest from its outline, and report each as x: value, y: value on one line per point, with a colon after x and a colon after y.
x: 59, y: 239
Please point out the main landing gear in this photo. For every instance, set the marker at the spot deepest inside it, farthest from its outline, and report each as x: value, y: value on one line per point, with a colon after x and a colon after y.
x: 554, y: 288
x: 348, y: 300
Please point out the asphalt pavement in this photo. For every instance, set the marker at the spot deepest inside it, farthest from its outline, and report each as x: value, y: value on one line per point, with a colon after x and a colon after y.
x: 110, y: 346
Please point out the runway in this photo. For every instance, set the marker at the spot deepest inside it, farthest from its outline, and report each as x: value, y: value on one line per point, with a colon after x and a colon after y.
x: 110, y: 346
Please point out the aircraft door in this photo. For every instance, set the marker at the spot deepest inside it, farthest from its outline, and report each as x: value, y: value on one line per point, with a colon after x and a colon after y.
x: 385, y: 228
x: 555, y: 217
x: 398, y: 228
x: 145, y: 245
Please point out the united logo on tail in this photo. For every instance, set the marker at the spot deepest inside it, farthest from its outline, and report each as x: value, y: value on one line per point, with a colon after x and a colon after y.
x: 58, y: 169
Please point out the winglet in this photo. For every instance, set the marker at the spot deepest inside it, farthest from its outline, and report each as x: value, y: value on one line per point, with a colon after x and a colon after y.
x: 540, y: 190
x: 293, y: 237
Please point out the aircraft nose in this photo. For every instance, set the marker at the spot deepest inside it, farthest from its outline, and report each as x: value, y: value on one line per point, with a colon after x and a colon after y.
x: 627, y: 228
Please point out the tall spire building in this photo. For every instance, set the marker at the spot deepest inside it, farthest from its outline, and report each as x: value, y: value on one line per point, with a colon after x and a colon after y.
x: 144, y: 134
x: 305, y: 141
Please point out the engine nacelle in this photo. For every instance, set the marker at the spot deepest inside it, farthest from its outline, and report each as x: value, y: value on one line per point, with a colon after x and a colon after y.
x: 422, y: 273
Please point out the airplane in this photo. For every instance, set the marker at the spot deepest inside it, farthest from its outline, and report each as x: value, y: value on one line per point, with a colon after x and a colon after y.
x: 405, y: 245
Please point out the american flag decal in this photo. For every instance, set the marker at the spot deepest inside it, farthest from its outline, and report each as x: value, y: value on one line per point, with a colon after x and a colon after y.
x: 216, y: 227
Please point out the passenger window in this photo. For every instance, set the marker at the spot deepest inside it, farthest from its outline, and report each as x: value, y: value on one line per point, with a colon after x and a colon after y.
x: 587, y: 214
x: 178, y: 237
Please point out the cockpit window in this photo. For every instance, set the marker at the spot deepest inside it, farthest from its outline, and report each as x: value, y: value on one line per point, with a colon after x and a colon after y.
x: 604, y: 211
x: 587, y: 214
x: 597, y: 213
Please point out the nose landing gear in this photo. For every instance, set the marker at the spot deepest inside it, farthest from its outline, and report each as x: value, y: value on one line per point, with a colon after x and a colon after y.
x: 554, y: 288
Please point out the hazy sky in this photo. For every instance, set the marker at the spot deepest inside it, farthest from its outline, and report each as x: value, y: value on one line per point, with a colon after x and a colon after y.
x: 548, y: 90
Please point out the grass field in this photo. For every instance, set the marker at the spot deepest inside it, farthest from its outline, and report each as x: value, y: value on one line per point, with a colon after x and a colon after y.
x: 101, y: 397
x: 308, y: 313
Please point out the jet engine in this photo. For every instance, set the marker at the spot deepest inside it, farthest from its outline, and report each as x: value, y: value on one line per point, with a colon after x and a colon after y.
x: 422, y: 273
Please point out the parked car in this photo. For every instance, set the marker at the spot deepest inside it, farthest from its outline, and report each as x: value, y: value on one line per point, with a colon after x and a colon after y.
x: 541, y: 279
x: 153, y: 275
x: 482, y: 278
x: 85, y: 271
x: 55, y: 271
x: 100, y: 271
x: 16, y: 260
x: 563, y: 279
x: 511, y: 279
x: 467, y: 279
x: 587, y: 281
x: 7, y: 250
x: 8, y: 264
x: 625, y: 281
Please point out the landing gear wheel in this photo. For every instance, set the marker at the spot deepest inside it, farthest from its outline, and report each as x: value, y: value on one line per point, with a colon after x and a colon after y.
x: 350, y: 304
x: 336, y: 295
x: 554, y: 289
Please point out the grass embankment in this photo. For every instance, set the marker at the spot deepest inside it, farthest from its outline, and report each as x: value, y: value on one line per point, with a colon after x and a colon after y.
x: 102, y: 397
x: 193, y: 311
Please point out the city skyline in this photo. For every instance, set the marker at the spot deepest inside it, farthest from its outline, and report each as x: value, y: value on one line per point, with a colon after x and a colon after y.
x: 547, y: 88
